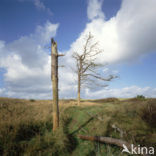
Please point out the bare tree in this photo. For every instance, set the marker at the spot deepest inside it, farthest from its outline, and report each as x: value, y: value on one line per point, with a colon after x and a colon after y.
x: 86, y: 66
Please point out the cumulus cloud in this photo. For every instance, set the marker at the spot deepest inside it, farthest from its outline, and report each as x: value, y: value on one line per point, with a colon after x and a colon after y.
x: 128, y: 35
x: 27, y: 64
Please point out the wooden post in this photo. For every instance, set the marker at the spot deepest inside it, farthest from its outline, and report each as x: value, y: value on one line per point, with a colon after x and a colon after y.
x: 54, y: 78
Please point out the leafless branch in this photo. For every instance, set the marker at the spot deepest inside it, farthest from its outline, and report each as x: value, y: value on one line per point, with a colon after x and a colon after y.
x: 86, y: 66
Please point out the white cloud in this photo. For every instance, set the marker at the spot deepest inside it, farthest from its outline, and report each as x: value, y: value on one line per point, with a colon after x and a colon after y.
x: 126, y: 92
x: 31, y: 48
x: 39, y: 5
x: 126, y: 36
x: 27, y: 64
x: 94, y: 9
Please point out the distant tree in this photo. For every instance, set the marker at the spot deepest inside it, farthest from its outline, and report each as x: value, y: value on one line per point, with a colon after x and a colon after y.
x: 140, y: 97
x: 86, y: 66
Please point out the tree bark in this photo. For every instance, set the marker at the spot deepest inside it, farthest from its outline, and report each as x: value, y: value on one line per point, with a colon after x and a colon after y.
x: 79, y: 89
x: 109, y: 140
x: 54, y: 77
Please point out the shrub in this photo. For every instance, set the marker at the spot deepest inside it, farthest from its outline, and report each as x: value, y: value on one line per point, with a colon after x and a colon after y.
x: 140, y: 97
x: 32, y: 100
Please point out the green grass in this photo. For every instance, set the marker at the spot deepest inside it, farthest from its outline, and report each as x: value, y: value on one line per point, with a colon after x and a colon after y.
x: 26, y: 126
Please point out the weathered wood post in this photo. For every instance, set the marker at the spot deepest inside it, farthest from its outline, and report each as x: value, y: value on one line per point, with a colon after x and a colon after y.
x: 54, y: 78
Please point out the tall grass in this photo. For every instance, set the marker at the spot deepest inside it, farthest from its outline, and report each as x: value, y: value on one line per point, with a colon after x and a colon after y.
x: 26, y: 126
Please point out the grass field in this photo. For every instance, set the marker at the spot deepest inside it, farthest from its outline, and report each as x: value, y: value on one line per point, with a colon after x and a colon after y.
x: 26, y: 126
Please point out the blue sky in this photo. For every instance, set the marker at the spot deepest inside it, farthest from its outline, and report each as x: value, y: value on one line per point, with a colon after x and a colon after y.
x: 126, y: 31
x: 21, y: 18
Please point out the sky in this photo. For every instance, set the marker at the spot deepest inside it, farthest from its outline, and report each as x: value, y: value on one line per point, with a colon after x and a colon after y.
x: 124, y: 29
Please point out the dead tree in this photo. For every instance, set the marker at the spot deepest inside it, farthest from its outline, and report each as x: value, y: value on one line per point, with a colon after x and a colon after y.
x: 86, y: 66
x: 112, y: 141
x: 54, y: 78
x: 107, y: 140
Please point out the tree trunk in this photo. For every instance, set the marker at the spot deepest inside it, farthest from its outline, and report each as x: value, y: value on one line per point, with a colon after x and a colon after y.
x: 79, y: 89
x: 107, y: 140
x: 54, y: 77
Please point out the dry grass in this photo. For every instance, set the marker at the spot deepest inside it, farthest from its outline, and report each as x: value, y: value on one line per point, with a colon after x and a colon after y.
x: 26, y: 125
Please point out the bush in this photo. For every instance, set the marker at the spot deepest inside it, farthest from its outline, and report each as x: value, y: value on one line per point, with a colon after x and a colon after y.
x: 32, y: 100
x: 140, y: 97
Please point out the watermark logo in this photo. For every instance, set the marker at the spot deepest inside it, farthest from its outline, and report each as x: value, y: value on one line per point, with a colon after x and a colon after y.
x: 125, y: 149
x: 138, y: 150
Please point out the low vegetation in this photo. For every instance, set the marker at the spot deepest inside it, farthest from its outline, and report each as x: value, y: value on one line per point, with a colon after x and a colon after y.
x: 26, y: 126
